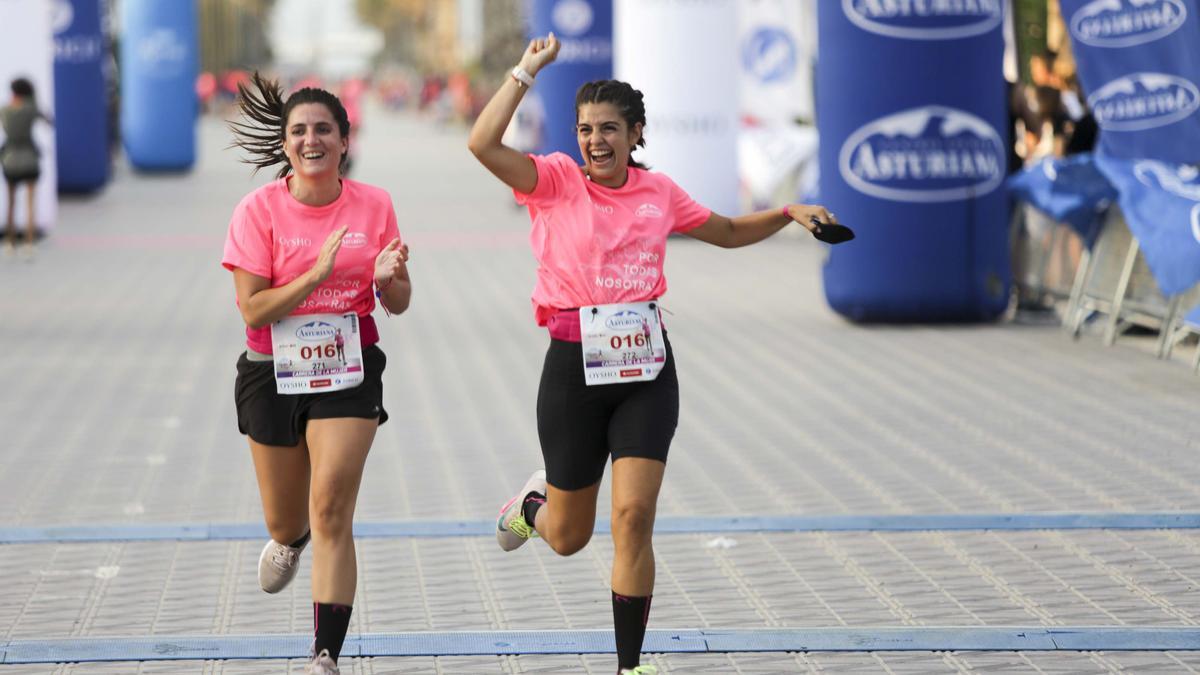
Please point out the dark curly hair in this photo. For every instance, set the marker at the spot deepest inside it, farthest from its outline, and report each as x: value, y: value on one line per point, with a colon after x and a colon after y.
x: 627, y: 100
x: 266, y: 112
x: 22, y: 87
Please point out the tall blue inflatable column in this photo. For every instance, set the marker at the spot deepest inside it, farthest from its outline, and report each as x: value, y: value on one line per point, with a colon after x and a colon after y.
x: 159, y: 62
x: 911, y: 109
x: 81, y: 129
x: 585, y: 29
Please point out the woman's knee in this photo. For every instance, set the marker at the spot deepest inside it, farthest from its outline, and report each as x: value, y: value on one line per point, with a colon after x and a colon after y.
x: 633, y: 521
x: 331, y: 515
x: 569, y: 539
x: 286, y: 530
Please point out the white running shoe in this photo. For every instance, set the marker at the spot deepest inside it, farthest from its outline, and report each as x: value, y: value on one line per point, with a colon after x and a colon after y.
x: 322, y: 664
x: 277, y: 565
x: 511, y: 528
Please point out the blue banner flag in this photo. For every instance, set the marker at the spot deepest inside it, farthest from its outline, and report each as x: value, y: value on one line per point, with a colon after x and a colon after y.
x: 584, y: 27
x: 1070, y: 190
x: 1139, y: 62
x: 1161, y: 203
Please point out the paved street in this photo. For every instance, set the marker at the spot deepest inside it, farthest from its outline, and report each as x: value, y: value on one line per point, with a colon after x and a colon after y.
x: 116, y: 410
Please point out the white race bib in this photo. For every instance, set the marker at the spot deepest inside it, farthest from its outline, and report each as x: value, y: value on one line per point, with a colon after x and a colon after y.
x: 621, y: 342
x: 316, y: 353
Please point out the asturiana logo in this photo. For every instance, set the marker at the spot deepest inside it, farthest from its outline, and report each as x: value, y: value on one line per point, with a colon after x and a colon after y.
x: 648, y: 210
x: 927, y: 154
x: 572, y: 17
x: 316, y: 331
x: 1181, y: 180
x: 626, y: 320
x: 925, y: 19
x: 1126, y: 23
x: 163, y: 52
x: 769, y: 54
x: 62, y: 15
x: 354, y: 240
x: 1143, y: 101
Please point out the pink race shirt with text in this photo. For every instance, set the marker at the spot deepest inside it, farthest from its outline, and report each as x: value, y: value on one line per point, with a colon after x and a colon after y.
x: 272, y: 235
x: 597, y: 245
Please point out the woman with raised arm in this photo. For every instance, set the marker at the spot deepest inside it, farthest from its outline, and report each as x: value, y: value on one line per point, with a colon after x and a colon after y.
x: 310, y: 253
x: 608, y: 385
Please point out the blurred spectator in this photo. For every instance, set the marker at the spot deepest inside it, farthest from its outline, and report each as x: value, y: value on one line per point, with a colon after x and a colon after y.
x: 351, y: 93
x: 20, y: 158
x: 206, y: 90
x: 1047, y: 115
x: 458, y: 86
x: 395, y: 91
x: 431, y: 92
x: 1081, y: 130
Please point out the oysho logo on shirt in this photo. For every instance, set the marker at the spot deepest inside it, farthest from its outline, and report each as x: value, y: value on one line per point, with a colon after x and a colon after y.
x: 1126, y: 23
x: 354, y: 240
x: 926, y: 154
x: 293, y: 242
x: 1143, y: 101
x: 648, y: 210
x: 606, y: 209
x: 316, y: 331
x: 925, y: 19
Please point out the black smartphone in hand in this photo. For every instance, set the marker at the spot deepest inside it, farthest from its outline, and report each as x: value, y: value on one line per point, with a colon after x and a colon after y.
x: 831, y: 233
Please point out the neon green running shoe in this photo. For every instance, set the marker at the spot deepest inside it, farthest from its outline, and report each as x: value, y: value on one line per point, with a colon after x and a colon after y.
x: 511, y: 528
x: 640, y: 670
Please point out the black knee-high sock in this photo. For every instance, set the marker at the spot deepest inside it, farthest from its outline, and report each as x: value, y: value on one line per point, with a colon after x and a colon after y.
x: 330, y: 623
x: 630, y: 615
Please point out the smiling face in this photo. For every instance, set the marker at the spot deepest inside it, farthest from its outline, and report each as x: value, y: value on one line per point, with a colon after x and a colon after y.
x: 605, y: 141
x: 312, y: 141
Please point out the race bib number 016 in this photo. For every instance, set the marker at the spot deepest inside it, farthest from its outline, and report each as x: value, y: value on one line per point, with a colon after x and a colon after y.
x: 621, y: 342
x: 317, y: 352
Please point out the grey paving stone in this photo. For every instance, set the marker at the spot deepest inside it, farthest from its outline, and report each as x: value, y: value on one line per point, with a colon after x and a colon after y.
x: 121, y: 338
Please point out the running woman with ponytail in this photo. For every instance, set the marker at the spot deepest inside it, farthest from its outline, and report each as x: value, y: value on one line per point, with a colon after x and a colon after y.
x: 607, y: 388
x: 310, y: 252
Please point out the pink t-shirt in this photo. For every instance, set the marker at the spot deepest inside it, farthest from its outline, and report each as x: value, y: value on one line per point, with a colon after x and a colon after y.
x: 597, y: 245
x: 276, y: 237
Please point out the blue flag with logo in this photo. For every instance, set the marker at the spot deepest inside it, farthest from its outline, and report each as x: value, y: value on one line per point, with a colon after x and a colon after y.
x: 1070, y: 190
x: 584, y: 27
x: 1139, y: 62
x: 914, y: 162
x: 81, y: 96
x: 1161, y: 203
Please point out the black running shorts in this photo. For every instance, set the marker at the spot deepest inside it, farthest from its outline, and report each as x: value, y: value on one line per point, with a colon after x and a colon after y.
x: 580, y: 426
x: 271, y: 418
x: 15, y: 179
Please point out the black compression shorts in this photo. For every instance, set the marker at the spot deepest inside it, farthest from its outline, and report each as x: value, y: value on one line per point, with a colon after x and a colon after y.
x: 272, y: 418
x: 580, y: 426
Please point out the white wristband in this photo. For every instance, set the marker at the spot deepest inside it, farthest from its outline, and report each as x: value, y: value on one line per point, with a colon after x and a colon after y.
x: 521, y: 76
